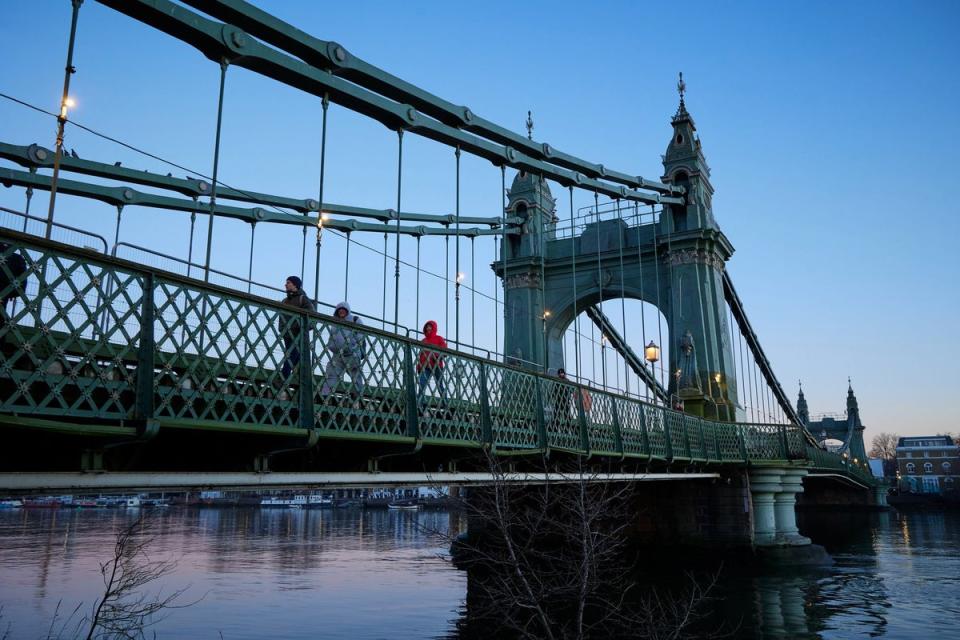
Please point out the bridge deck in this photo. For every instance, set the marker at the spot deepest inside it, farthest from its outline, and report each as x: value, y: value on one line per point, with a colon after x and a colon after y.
x: 100, y: 348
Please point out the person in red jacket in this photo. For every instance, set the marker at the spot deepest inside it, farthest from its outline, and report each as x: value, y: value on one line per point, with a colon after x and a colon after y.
x: 430, y: 363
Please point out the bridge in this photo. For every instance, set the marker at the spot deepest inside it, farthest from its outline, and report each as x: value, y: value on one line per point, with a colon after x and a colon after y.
x: 115, y: 372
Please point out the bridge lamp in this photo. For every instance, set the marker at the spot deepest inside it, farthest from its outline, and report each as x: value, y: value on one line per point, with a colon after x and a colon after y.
x: 461, y: 277
x: 68, y: 103
x: 651, y: 353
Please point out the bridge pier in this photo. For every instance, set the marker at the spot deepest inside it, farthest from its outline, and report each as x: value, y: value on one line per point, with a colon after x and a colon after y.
x: 774, y: 495
x: 791, y: 483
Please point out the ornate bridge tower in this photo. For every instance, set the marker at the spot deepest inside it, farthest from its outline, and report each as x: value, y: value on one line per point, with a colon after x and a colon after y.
x: 675, y: 264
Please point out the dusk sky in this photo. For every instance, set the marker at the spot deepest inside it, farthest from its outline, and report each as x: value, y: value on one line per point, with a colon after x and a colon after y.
x: 830, y: 130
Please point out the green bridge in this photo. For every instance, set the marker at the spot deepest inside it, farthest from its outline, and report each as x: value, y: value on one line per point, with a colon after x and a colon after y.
x: 115, y: 373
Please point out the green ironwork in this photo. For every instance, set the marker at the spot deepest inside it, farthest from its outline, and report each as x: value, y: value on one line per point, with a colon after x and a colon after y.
x: 100, y: 343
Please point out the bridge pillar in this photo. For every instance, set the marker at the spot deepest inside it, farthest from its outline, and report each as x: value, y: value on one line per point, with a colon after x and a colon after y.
x: 765, y: 484
x: 880, y: 496
x: 791, y: 483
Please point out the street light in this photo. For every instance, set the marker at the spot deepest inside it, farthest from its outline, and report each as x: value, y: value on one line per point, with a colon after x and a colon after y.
x: 546, y: 358
x: 651, y: 353
x: 603, y: 358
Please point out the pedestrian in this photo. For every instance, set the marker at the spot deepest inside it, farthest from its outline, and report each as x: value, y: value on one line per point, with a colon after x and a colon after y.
x: 12, y: 268
x: 346, y: 349
x: 290, y: 326
x: 430, y: 363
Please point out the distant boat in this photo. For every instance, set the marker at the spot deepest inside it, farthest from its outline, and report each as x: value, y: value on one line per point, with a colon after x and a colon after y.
x: 299, y: 501
x: 10, y: 504
x: 42, y: 503
x: 409, y: 505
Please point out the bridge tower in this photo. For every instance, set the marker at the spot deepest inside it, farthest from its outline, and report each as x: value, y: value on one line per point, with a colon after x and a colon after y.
x: 849, y: 431
x: 675, y: 264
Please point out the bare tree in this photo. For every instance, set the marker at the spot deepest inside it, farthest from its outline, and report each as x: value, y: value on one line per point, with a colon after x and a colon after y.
x: 125, y: 610
x: 550, y: 559
x: 884, y: 446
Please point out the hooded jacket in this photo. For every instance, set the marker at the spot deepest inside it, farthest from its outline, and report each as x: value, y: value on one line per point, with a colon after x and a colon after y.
x: 344, y: 341
x: 431, y: 359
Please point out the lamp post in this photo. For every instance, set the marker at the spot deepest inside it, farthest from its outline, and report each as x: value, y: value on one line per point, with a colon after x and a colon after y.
x: 651, y: 353
x: 546, y: 356
x: 603, y: 359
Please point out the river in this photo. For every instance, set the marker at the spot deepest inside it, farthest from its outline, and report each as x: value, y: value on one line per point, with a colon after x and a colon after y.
x: 348, y: 573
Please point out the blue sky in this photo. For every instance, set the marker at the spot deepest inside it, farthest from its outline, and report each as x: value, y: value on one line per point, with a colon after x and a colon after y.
x: 830, y: 129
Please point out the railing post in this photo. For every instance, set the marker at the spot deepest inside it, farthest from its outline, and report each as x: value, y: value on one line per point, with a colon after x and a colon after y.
x: 668, y: 439
x: 742, y: 439
x: 306, y: 372
x: 783, y: 442
x: 410, y: 388
x: 582, y: 419
x: 643, y: 430
x: 541, y: 420
x: 703, y: 440
x: 146, y: 353
x: 617, y: 432
x: 686, y: 435
x: 486, y: 423
x: 715, y: 427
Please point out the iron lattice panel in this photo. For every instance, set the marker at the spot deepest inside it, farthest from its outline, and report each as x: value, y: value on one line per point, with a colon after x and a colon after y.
x: 630, y: 413
x: 453, y: 416
x: 561, y: 415
x: 763, y: 441
x: 72, y: 337
x: 696, y: 436
x: 513, y: 398
x: 678, y: 440
x: 795, y: 442
x: 219, y: 359
x: 359, y: 381
x: 656, y: 433
x: 600, y: 424
x: 729, y: 435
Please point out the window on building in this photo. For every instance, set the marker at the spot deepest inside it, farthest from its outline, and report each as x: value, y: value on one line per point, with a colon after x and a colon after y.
x: 928, y: 467
x: 946, y: 467
x: 907, y: 454
x: 911, y: 467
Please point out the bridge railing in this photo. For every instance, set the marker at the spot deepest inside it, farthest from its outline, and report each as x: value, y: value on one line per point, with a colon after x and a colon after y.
x: 96, y: 338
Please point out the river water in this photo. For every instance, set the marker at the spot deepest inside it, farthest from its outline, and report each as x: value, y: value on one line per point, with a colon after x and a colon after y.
x: 347, y: 573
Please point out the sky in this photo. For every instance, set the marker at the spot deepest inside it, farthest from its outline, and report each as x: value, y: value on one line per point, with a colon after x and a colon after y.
x: 829, y: 128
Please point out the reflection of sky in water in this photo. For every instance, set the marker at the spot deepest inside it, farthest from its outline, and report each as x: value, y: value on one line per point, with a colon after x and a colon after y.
x: 346, y: 573
x: 296, y: 574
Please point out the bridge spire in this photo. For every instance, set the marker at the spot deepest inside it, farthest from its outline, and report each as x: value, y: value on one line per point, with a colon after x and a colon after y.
x: 853, y: 408
x: 529, y: 125
x: 803, y: 412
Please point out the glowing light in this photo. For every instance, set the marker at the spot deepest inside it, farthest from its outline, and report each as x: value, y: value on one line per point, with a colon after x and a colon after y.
x: 651, y: 352
x: 461, y: 277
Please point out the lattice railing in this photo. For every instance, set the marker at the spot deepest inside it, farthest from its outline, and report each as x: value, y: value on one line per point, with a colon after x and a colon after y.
x: 95, y: 338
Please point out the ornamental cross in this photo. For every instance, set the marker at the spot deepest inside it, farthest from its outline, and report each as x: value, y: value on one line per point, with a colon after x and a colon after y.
x: 681, y: 86
x: 529, y: 125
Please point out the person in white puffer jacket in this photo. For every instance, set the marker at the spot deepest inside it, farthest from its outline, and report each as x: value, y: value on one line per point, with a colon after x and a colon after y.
x: 346, y: 349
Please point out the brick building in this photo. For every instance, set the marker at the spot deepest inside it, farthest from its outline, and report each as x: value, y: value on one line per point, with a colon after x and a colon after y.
x: 928, y: 464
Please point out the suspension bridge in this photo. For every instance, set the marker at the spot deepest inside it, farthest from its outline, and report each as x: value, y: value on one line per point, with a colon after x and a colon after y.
x: 123, y: 365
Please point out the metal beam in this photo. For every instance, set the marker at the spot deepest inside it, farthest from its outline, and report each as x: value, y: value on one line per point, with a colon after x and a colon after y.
x: 40, y: 482
x: 223, y: 42
x: 36, y: 156
x: 332, y: 56
x: 616, y: 340
x: 124, y: 196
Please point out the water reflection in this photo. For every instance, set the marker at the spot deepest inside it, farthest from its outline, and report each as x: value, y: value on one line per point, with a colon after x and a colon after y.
x: 347, y: 573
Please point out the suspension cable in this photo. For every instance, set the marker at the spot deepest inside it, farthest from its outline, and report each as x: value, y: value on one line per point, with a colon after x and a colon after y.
x: 216, y: 166
x: 325, y: 105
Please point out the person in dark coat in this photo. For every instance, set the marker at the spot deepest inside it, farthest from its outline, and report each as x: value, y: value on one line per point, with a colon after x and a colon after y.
x: 430, y: 363
x: 12, y: 268
x: 290, y: 327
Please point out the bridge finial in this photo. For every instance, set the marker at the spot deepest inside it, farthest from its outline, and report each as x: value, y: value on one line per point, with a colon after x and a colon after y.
x: 529, y: 125
x: 681, y: 88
